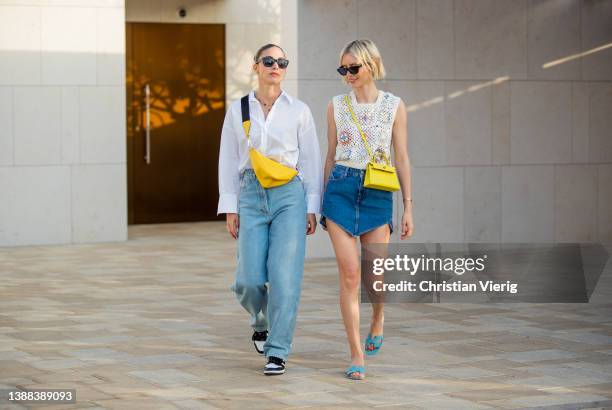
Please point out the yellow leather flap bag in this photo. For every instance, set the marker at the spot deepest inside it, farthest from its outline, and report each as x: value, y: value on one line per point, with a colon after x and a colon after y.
x: 377, y: 176
x: 269, y: 173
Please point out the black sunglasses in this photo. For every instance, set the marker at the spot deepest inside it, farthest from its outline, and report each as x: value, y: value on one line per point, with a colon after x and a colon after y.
x: 353, y: 69
x: 269, y: 62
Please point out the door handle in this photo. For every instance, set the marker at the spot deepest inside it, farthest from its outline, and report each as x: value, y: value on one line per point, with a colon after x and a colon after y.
x: 147, y: 124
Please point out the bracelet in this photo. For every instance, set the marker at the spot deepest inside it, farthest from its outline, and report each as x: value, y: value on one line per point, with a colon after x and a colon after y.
x: 407, y: 199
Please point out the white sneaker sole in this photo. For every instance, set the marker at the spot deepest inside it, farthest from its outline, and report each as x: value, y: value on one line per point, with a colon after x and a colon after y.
x: 273, y: 372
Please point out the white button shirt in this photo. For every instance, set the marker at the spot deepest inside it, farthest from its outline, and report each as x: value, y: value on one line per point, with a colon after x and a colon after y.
x: 287, y: 135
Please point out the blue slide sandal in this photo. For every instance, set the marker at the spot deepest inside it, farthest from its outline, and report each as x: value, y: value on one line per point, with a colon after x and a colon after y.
x: 355, y: 372
x: 373, y: 344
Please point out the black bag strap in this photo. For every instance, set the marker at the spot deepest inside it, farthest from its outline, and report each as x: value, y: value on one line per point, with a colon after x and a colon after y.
x: 246, y: 118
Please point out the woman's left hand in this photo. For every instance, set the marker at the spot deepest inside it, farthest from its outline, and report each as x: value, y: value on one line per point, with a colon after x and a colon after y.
x: 407, y: 225
x: 311, y: 224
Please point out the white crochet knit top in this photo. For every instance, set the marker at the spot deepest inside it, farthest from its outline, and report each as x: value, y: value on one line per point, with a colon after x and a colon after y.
x: 376, y: 120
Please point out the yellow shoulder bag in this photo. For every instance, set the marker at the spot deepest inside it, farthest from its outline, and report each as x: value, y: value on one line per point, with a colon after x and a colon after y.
x: 269, y: 173
x: 377, y: 176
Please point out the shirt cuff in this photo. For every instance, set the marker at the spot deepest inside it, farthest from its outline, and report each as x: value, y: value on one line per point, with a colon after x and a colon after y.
x: 313, y: 204
x: 228, y: 204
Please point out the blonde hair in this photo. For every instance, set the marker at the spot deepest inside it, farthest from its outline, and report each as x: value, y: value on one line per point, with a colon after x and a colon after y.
x: 366, y: 52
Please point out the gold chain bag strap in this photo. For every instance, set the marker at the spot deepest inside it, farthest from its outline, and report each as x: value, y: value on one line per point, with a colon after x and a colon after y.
x: 377, y: 176
x: 269, y: 173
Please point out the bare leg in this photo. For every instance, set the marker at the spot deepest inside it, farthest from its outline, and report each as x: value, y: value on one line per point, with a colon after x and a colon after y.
x: 347, y: 256
x: 378, y: 235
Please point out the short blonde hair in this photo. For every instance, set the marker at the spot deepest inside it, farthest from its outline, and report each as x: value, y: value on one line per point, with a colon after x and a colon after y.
x: 366, y: 52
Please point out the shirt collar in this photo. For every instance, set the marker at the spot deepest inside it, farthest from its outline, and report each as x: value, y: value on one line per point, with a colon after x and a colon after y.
x: 283, y: 95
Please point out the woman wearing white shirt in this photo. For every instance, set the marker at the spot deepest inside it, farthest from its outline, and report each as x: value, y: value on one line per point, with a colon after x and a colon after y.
x: 270, y: 224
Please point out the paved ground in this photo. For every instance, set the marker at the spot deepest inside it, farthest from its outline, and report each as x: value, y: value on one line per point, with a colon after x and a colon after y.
x: 151, y: 324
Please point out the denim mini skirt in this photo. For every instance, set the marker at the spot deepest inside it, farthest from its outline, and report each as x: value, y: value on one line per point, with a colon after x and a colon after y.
x: 353, y: 207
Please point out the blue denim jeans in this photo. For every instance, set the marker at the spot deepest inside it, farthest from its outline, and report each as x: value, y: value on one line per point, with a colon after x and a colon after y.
x: 271, y: 250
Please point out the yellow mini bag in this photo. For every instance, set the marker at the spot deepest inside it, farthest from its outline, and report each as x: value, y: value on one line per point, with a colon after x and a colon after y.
x: 269, y: 173
x: 377, y: 176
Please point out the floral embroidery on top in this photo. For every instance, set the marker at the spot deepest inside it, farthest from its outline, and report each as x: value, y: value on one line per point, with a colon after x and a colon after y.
x: 344, y: 137
x: 345, y: 155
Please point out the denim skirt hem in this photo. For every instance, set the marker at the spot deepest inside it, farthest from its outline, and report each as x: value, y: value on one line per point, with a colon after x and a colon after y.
x: 324, y: 218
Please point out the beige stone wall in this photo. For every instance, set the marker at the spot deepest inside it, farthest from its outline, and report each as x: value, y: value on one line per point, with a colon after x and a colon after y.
x: 62, y: 121
x: 509, y: 110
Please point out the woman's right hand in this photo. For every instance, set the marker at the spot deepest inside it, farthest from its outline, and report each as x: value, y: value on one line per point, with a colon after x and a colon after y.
x: 232, y: 224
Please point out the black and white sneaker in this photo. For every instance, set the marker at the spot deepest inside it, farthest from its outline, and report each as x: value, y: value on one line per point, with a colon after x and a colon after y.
x: 259, y: 339
x: 275, y: 366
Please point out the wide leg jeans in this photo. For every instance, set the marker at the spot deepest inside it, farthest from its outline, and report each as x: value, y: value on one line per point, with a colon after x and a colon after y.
x: 271, y: 250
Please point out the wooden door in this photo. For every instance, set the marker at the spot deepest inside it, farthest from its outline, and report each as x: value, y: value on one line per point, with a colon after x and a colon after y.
x: 176, y: 105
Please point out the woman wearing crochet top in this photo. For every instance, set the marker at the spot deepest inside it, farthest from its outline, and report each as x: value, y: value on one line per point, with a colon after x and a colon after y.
x: 349, y: 209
